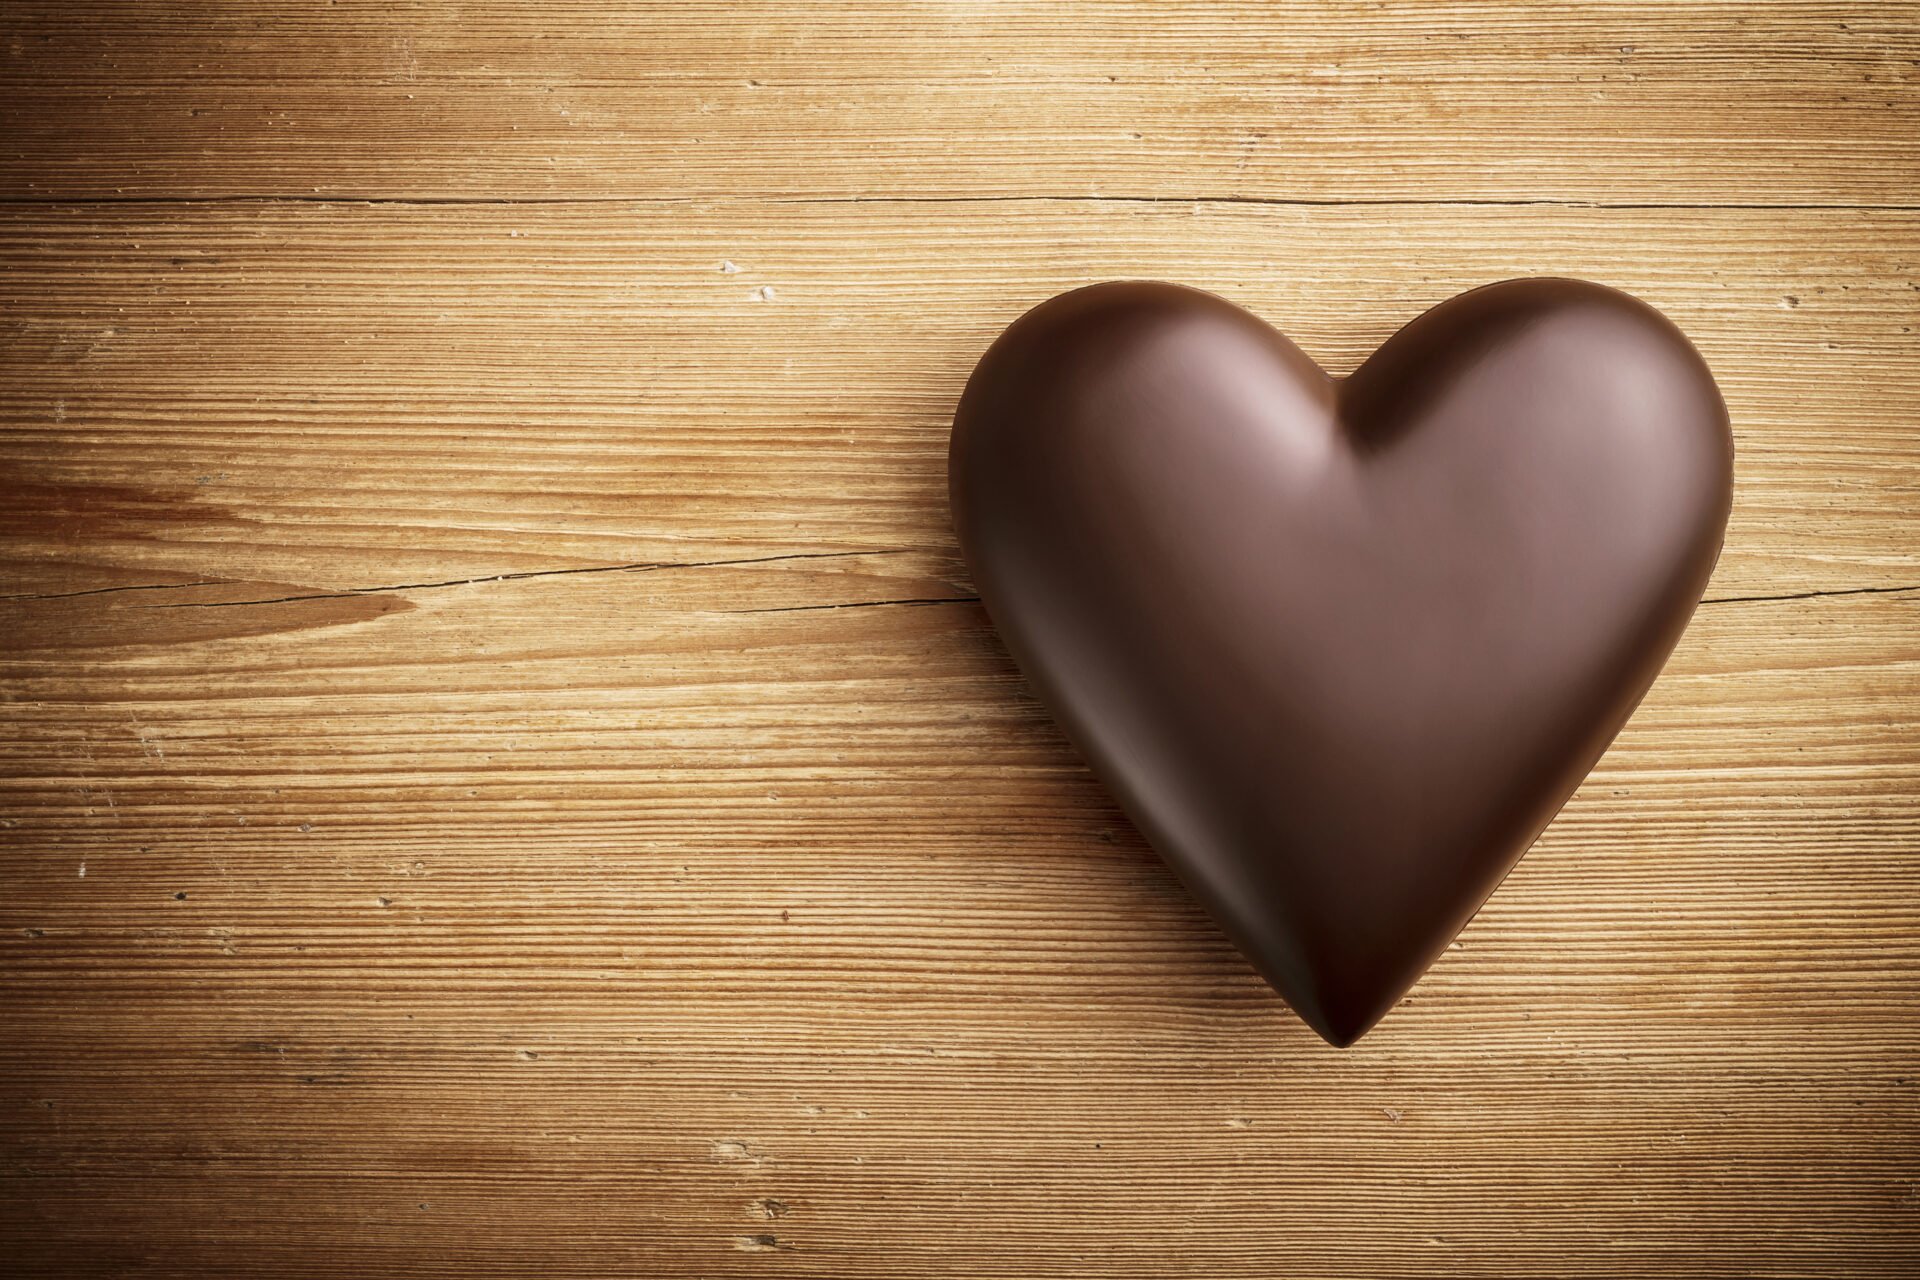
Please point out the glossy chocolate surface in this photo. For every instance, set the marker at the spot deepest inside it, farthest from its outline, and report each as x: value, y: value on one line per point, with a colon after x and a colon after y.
x: 1341, y: 647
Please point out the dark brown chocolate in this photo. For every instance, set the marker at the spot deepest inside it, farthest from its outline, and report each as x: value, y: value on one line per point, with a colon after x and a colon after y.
x: 1342, y: 647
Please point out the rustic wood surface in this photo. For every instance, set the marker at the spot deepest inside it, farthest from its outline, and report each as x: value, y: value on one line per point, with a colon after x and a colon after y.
x: 504, y: 774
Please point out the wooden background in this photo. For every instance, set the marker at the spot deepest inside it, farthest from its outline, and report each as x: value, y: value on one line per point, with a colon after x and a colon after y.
x: 504, y: 773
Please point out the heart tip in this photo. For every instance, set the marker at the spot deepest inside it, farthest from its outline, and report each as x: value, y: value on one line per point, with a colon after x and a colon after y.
x: 1342, y: 1030
x: 1341, y: 1038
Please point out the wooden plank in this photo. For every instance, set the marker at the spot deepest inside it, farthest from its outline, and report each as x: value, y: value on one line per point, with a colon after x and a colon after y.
x: 567, y: 923
x: 1797, y: 102
x: 581, y: 822
x: 574, y: 387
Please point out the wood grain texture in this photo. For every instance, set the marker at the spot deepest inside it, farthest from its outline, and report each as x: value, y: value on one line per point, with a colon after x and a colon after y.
x: 1290, y: 99
x: 503, y: 772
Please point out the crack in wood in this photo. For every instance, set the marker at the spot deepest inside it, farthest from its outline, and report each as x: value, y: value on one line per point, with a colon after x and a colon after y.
x: 859, y: 604
x: 638, y: 566
x: 1813, y: 595
x: 105, y: 591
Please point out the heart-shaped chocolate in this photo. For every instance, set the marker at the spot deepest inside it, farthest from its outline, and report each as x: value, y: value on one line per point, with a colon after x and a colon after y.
x: 1342, y: 647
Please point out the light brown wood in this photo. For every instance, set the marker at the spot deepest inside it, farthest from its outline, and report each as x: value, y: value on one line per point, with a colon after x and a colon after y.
x: 1790, y: 101
x: 504, y: 773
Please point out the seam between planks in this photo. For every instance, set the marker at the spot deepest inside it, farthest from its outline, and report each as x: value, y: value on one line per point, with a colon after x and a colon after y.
x: 1301, y: 202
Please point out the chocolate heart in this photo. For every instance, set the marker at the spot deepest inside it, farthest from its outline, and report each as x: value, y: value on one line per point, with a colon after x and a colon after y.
x: 1341, y: 647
